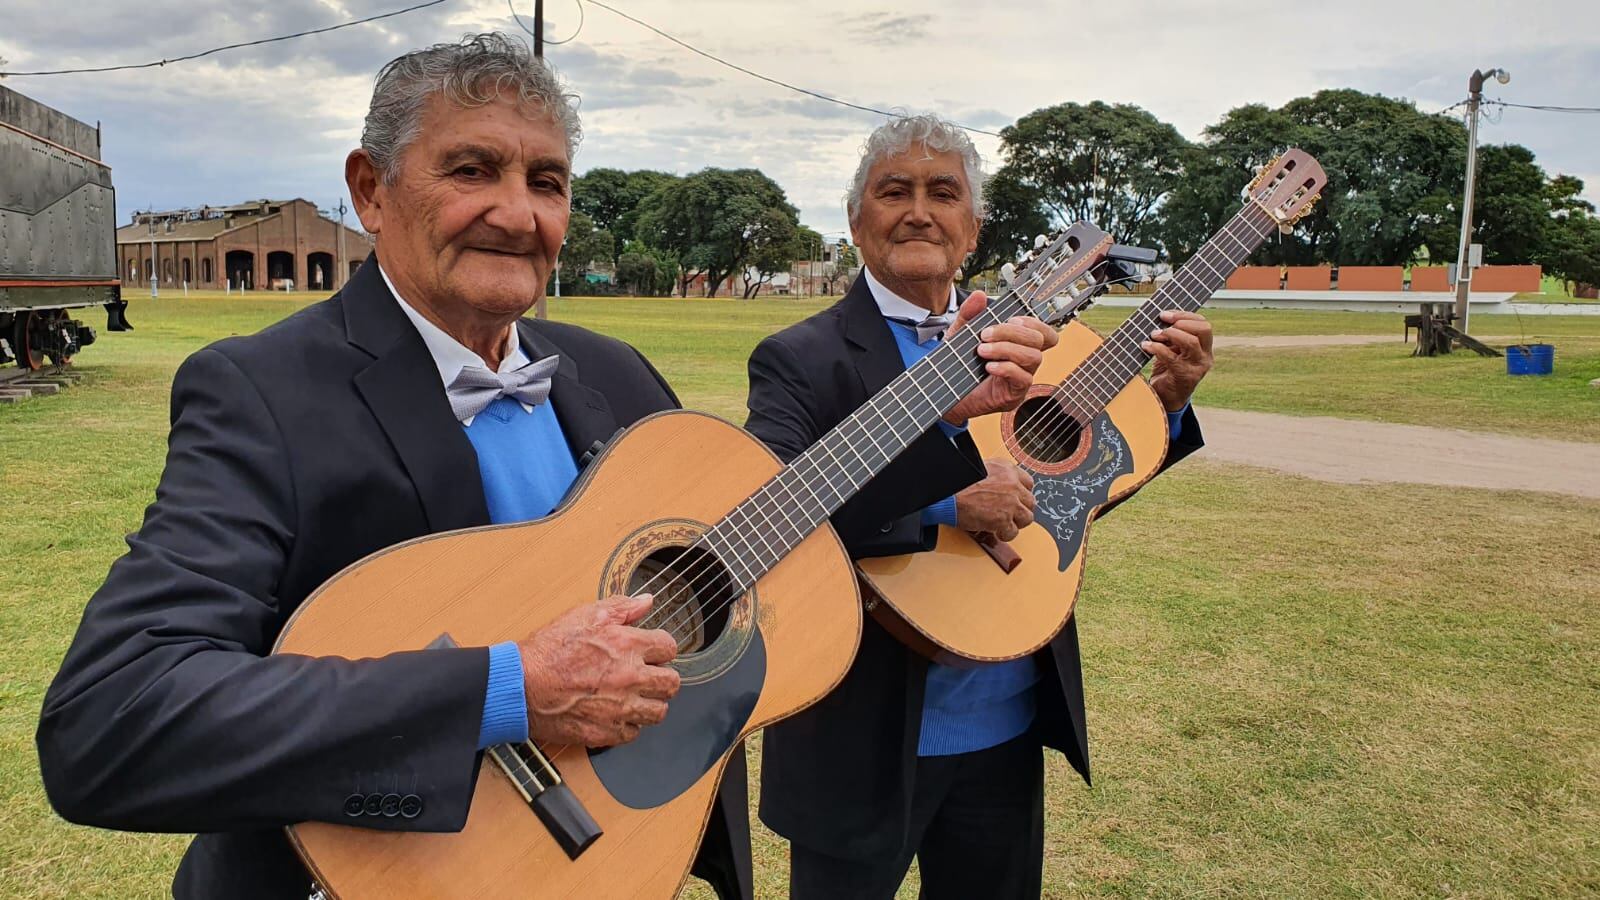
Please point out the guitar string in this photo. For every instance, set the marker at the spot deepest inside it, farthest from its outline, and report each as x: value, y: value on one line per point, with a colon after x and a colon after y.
x: 1079, y: 389
x: 1026, y: 289
x: 692, y: 577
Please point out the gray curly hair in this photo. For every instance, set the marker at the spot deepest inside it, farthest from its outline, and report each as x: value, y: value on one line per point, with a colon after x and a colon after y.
x: 473, y: 72
x: 934, y: 134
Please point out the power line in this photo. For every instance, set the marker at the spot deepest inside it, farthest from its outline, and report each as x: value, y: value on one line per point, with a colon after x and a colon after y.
x: 1559, y: 109
x: 566, y: 40
x: 769, y: 80
x: 271, y: 40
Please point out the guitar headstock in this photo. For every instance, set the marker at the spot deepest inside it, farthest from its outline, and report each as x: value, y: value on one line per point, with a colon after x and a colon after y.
x: 1057, y: 279
x: 1288, y: 187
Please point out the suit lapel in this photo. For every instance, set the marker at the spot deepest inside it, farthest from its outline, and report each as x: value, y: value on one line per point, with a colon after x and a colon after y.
x: 402, y: 389
x: 583, y: 412
x: 873, y: 351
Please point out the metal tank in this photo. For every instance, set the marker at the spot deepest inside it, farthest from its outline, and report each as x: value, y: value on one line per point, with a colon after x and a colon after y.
x: 58, y: 215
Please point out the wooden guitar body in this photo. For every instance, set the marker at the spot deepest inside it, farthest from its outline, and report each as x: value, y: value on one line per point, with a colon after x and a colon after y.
x: 955, y: 604
x: 655, y: 490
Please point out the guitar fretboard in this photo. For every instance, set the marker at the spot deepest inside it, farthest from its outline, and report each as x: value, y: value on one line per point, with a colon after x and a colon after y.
x: 1108, y: 370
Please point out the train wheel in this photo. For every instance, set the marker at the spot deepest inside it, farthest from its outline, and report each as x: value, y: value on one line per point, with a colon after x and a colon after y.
x: 30, y: 338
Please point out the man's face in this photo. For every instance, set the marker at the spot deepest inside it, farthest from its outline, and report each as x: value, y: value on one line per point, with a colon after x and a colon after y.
x: 916, y: 224
x: 478, y: 211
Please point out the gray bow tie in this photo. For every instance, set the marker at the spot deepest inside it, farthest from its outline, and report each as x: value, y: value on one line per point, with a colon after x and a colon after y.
x: 476, y: 387
x: 928, y: 328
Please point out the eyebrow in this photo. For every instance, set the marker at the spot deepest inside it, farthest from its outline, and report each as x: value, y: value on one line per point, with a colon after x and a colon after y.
x: 484, y: 153
x: 898, y: 178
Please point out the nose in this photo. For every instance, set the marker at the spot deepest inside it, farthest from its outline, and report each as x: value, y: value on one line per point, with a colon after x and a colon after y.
x: 511, y: 208
x: 921, y: 212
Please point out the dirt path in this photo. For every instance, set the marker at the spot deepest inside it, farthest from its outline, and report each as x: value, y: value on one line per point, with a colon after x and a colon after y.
x: 1353, y: 451
x: 1224, y: 341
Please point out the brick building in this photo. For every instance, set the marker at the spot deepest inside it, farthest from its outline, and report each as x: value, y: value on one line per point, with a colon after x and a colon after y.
x: 261, y: 245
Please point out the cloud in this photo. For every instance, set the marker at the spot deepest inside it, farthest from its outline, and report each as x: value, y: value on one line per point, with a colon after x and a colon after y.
x: 277, y: 120
x: 888, y: 28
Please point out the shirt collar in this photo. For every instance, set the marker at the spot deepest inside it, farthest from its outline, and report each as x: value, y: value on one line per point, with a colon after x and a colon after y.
x: 893, y: 305
x: 449, y: 354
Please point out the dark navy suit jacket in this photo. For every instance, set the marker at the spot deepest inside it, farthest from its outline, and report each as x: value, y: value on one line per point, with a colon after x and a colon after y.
x: 293, y: 453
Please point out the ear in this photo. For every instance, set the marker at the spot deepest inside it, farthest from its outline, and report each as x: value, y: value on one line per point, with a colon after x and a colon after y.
x: 977, y: 229
x: 366, y: 190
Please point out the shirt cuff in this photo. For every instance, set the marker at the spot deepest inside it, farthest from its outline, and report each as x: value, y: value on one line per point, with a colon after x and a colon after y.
x: 505, y: 703
x: 941, y: 513
x: 949, y: 430
x: 1175, y: 422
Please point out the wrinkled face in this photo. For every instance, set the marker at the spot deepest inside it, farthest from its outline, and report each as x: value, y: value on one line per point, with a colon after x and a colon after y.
x: 478, y: 211
x: 916, y: 224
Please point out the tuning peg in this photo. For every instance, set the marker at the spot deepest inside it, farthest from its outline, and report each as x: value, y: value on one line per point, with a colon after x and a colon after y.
x: 1008, y: 273
x: 1040, y: 242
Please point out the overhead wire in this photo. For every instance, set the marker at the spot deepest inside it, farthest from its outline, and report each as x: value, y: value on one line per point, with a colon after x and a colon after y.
x: 770, y: 80
x: 256, y: 43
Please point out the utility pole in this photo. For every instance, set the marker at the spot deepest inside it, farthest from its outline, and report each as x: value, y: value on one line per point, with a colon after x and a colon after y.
x: 539, y: 310
x: 538, y: 29
x: 155, y: 264
x: 343, y: 273
x: 1463, y: 269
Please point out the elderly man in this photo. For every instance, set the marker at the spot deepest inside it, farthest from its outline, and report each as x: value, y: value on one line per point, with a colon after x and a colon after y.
x: 905, y: 758
x: 415, y: 401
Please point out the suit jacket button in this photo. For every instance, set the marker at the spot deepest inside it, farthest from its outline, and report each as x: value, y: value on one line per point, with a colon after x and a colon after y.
x: 411, y: 806
x: 354, y: 804
x: 373, y: 805
x: 391, y: 805
x: 887, y: 527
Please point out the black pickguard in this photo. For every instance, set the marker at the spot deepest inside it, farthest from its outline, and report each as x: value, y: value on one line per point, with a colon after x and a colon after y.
x: 702, y: 722
x: 1065, y: 501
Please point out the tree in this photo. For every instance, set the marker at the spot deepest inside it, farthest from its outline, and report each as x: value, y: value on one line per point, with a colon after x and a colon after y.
x: 845, y: 263
x: 774, y: 241
x: 1572, y: 251
x: 1110, y: 165
x: 713, y: 221
x: 611, y: 197
x: 585, y: 246
x: 643, y: 271
x: 1015, y: 215
x: 1392, y: 173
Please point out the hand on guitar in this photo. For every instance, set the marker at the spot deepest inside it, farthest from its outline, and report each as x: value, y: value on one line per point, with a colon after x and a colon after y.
x: 594, y: 679
x: 1183, y: 356
x: 1000, y: 505
x: 1013, y: 349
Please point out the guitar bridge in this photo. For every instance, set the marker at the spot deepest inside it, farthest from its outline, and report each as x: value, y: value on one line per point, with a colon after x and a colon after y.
x: 537, y: 780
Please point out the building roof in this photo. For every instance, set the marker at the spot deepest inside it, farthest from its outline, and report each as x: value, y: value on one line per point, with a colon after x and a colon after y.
x: 207, y: 222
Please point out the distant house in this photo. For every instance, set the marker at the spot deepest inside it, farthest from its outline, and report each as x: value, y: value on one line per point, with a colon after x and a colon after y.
x: 260, y: 245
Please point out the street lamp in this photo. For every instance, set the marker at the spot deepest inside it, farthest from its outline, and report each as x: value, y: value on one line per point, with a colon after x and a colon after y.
x: 1464, y: 271
x: 154, y: 263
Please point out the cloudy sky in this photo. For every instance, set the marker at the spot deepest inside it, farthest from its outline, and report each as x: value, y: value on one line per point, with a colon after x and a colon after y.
x: 277, y: 120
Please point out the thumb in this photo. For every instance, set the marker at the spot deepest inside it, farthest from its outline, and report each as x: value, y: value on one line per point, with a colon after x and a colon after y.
x: 975, y: 303
x: 626, y: 610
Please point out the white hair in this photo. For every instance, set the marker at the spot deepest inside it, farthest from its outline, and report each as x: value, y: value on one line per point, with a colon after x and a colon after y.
x: 898, y: 135
x: 470, y: 73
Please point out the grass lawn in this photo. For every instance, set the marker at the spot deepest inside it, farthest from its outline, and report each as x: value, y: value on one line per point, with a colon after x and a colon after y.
x: 1295, y: 688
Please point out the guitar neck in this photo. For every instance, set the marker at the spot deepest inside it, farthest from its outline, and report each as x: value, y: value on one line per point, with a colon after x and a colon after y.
x: 1115, y: 363
x: 776, y: 518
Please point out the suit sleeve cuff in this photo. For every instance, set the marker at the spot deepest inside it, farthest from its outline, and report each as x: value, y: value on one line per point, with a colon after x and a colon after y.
x: 941, y: 513
x: 951, y: 431
x: 1175, y: 422
x: 505, y: 705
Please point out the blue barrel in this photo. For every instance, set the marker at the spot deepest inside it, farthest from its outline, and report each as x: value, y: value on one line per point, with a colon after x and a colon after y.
x: 1530, y: 359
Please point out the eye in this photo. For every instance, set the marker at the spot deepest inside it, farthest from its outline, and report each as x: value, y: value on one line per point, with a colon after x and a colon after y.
x: 471, y: 170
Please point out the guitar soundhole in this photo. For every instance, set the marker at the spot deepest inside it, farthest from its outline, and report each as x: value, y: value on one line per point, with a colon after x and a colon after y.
x: 692, y: 595
x: 1045, y: 431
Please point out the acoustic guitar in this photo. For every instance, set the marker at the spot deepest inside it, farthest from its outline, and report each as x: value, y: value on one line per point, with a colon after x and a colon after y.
x: 747, y: 575
x: 1090, y: 433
